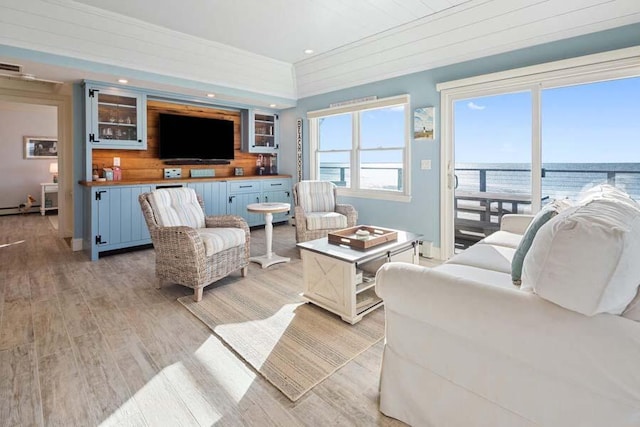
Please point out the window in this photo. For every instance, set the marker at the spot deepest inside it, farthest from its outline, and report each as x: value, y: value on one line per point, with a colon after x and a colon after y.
x: 363, y: 148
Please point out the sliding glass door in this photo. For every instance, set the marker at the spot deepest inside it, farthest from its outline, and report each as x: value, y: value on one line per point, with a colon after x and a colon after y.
x: 492, y: 137
x: 513, y: 148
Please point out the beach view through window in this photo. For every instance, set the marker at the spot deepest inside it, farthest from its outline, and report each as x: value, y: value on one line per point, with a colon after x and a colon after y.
x: 590, y: 134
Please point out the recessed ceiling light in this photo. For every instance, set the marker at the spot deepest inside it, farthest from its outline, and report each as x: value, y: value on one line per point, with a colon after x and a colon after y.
x: 272, y: 105
x: 308, y: 51
x: 123, y: 81
x: 211, y: 95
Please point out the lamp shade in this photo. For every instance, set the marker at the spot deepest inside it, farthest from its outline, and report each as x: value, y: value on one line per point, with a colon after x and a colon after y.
x: 53, y: 167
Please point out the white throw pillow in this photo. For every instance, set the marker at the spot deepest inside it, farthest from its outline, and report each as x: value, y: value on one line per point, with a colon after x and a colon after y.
x: 586, y: 258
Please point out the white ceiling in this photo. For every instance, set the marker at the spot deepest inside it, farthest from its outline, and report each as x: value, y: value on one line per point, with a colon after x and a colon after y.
x: 279, y: 29
x: 252, y: 51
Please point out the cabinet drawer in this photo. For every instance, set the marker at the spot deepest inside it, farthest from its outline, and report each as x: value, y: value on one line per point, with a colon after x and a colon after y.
x: 243, y: 186
x: 276, y: 184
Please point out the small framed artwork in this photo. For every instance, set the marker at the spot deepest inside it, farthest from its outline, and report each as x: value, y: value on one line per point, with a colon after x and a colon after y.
x: 423, y: 123
x: 40, y: 147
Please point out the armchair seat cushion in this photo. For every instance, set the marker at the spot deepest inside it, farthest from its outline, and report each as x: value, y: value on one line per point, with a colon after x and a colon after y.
x: 325, y: 221
x: 219, y: 239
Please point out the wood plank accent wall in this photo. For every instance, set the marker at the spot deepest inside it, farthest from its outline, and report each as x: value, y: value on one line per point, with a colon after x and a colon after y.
x: 145, y: 164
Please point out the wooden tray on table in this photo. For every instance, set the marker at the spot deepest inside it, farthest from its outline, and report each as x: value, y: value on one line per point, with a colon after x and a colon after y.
x: 377, y: 236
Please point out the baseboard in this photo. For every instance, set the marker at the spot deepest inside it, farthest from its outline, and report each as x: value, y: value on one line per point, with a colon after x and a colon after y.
x: 16, y: 211
x: 76, y: 245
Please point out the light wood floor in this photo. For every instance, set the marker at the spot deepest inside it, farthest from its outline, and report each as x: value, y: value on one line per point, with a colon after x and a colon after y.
x: 93, y: 343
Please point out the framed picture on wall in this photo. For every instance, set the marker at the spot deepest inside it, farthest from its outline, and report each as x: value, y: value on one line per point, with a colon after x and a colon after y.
x: 423, y: 119
x: 40, y: 147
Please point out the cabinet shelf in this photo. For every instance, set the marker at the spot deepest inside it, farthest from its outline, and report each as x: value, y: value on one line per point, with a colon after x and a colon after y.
x: 109, y: 104
x: 133, y: 125
x: 367, y: 300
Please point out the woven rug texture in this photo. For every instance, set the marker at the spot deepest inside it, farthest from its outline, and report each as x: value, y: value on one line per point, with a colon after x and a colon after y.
x: 265, y: 321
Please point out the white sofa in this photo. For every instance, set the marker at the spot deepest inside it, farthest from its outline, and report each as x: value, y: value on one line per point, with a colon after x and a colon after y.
x: 465, y: 347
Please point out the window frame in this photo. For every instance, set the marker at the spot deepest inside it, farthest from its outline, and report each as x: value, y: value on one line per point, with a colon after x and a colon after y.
x: 355, y: 110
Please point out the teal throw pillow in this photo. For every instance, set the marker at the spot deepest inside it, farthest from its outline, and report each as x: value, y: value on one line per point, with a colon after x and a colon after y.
x: 541, y: 218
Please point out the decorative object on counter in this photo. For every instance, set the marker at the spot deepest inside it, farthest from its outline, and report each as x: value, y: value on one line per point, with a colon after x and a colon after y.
x: 117, y: 173
x: 107, y: 174
x: 260, y: 165
x: 53, y: 169
x: 94, y: 173
x: 273, y: 164
x: 238, y: 171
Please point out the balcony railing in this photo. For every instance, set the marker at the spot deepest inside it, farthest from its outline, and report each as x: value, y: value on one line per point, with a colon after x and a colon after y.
x: 379, y: 176
x: 556, y: 183
x: 477, y: 217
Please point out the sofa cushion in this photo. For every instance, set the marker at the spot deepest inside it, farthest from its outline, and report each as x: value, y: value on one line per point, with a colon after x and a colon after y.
x: 586, y: 258
x: 546, y: 213
x: 325, y: 221
x: 481, y: 255
x: 503, y: 238
x: 482, y: 275
x: 219, y: 239
x: 177, y: 206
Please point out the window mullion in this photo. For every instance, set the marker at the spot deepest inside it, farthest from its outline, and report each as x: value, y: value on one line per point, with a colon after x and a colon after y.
x: 355, y: 151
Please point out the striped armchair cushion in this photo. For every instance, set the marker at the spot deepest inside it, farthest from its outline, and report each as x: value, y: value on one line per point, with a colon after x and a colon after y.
x: 325, y: 220
x: 316, y: 196
x: 219, y: 239
x: 177, y: 206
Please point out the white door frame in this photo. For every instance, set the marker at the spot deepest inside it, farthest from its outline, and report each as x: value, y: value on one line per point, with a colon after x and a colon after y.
x: 40, y: 93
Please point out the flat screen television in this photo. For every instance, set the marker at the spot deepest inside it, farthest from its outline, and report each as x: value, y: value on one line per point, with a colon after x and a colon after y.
x: 188, y: 139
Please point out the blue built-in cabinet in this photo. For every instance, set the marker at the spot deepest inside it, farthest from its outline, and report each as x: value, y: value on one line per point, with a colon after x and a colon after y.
x: 116, y: 220
x: 214, y: 196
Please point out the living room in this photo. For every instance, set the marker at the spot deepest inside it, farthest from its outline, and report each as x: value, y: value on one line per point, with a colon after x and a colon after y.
x: 416, y: 204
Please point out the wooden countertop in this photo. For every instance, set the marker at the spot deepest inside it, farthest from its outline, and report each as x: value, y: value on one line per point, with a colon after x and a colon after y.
x: 177, y: 180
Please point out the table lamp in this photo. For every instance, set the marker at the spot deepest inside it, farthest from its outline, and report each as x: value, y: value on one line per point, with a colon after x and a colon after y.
x: 53, y: 169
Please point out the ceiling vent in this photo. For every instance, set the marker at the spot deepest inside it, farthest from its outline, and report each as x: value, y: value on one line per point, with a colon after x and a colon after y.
x: 11, y: 67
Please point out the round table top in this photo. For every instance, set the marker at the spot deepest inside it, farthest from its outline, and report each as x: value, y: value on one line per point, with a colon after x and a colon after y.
x: 268, y: 207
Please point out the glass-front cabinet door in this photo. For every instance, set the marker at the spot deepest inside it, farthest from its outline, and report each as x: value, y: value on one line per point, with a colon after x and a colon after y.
x: 115, y: 118
x: 259, y: 132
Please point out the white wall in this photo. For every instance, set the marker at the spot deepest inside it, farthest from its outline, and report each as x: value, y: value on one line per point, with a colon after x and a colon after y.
x: 19, y: 176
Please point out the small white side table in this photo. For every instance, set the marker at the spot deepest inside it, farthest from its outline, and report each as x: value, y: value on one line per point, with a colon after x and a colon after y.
x: 268, y: 209
x: 48, y: 188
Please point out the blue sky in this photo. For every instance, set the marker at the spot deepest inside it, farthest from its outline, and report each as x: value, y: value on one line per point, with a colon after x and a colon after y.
x: 592, y: 123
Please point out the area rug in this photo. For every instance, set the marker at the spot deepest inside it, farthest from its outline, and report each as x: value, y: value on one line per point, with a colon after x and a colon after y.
x: 292, y: 344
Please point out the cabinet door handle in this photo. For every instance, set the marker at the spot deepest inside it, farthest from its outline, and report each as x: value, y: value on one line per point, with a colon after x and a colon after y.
x: 266, y: 198
x: 276, y: 185
x: 246, y: 186
x: 257, y: 199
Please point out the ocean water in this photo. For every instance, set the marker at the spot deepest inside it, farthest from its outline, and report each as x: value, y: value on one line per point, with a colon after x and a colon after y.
x: 560, y: 180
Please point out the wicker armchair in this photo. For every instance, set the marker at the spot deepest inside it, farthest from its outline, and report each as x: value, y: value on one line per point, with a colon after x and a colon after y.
x: 192, y: 249
x: 317, y: 212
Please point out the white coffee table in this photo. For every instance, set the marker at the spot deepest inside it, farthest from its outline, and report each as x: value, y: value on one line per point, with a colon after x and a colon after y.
x: 268, y: 209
